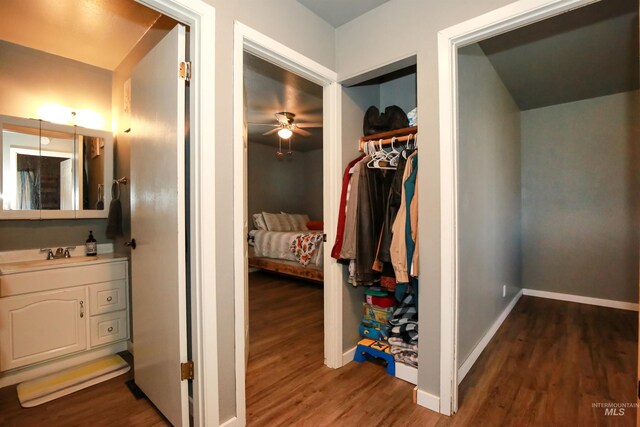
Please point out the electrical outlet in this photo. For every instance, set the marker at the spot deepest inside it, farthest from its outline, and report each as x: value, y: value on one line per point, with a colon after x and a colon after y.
x: 504, y: 291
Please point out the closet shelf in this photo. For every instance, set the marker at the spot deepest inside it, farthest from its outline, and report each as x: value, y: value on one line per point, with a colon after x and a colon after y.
x: 401, y: 135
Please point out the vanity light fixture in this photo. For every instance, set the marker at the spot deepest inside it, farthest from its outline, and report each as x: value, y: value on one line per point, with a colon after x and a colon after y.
x: 56, y: 113
x: 44, y: 140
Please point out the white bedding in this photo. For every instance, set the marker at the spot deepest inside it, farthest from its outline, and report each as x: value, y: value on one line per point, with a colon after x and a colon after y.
x: 275, y: 244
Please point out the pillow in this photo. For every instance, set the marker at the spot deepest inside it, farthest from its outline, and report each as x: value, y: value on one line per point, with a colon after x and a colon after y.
x: 258, y: 222
x: 298, y: 221
x: 277, y: 222
x: 315, y: 225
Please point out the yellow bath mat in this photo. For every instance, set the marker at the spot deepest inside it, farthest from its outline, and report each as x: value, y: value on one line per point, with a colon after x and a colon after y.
x: 45, y: 389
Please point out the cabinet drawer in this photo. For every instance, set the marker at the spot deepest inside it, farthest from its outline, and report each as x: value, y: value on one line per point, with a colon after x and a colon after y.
x: 107, y: 297
x: 108, y: 328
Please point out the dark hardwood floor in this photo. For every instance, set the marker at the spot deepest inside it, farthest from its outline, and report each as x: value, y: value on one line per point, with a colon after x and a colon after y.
x: 547, y: 365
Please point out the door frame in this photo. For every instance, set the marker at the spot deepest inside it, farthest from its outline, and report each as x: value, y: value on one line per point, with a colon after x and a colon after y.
x: 496, y: 22
x: 200, y: 17
x: 254, y: 42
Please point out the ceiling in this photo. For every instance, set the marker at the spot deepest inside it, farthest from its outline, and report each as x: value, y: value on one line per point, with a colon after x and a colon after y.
x: 96, y: 32
x: 339, y: 12
x: 269, y: 89
x: 581, y: 54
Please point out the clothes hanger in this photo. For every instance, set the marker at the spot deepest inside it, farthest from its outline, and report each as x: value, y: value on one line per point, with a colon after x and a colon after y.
x: 375, y: 157
x: 392, y: 156
x: 381, y: 161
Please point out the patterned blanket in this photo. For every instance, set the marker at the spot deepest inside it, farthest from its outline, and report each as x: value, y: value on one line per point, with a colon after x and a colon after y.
x: 304, y: 246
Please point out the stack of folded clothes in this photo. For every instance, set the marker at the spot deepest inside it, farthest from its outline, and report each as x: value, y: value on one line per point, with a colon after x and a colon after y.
x: 403, y: 336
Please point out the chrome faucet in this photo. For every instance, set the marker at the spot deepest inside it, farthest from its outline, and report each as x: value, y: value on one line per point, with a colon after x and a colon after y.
x: 49, y: 253
x: 59, y: 253
x: 66, y: 251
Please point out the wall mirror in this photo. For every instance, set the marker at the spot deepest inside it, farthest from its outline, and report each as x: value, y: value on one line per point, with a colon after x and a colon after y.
x: 54, y: 171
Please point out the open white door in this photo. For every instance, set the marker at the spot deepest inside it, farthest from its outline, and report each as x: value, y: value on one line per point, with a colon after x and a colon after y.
x: 158, y: 227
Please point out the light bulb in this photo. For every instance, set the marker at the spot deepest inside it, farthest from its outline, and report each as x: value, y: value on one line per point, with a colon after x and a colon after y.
x: 285, y: 133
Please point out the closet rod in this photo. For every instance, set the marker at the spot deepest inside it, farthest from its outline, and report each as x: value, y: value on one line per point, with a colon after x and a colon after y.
x: 389, y: 134
x: 386, y: 141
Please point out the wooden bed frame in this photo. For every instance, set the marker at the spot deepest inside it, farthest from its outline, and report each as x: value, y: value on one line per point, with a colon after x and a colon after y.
x: 288, y: 268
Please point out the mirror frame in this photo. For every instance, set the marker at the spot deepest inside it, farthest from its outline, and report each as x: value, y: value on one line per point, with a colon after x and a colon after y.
x: 77, y: 131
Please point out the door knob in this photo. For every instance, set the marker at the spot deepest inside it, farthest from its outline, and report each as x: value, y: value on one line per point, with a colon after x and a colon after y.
x: 131, y: 243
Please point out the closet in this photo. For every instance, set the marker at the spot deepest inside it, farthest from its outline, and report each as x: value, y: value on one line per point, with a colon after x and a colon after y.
x: 548, y: 169
x: 377, y: 232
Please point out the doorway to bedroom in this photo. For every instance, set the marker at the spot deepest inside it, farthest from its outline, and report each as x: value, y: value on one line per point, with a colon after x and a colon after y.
x: 283, y: 115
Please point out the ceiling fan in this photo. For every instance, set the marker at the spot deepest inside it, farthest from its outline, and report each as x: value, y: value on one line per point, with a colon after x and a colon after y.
x: 286, y: 126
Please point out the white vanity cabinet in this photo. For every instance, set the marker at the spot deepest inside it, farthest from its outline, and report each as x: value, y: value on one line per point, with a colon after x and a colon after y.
x: 53, y: 312
x: 42, y: 326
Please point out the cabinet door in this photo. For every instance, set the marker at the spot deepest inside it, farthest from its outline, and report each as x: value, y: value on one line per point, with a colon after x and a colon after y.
x: 42, y: 326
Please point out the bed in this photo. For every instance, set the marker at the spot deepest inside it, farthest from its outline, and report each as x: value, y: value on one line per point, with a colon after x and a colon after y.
x: 271, y: 251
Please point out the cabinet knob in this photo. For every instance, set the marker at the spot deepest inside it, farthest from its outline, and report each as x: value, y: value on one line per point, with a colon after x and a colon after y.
x: 110, y: 329
x: 109, y: 298
x: 131, y: 243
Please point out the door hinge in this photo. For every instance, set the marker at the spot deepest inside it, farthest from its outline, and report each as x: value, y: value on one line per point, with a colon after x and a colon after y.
x: 185, y: 70
x: 186, y: 370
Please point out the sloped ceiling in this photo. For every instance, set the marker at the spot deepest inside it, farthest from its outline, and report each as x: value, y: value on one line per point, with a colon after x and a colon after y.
x: 95, y: 32
x: 585, y: 53
x: 269, y: 89
x: 339, y: 12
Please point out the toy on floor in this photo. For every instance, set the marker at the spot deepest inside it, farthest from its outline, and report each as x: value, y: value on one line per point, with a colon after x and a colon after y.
x: 368, y: 348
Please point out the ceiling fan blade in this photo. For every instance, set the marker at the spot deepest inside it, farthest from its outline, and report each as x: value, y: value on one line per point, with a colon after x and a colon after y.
x: 300, y: 131
x: 262, y: 124
x: 309, y: 125
x: 283, y: 119
x: 269, y: 132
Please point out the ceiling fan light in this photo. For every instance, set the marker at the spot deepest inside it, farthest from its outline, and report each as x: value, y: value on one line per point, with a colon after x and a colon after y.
x: 285, y: 133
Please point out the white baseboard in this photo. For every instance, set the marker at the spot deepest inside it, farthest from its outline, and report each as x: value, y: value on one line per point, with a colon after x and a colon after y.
x: 347, y: 356
x: 428, y: 400
x: 479, y: 348
x: 407, y: 373
x: 233, y: 422
x: 622, y: 305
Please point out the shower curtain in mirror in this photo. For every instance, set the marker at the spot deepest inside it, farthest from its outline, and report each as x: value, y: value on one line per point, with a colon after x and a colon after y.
x: 27, y: 191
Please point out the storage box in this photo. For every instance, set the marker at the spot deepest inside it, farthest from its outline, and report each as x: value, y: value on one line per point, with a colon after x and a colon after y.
x: 377, y: 314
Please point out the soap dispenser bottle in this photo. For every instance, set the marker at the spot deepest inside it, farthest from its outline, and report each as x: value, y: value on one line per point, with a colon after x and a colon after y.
x: 91, y: 247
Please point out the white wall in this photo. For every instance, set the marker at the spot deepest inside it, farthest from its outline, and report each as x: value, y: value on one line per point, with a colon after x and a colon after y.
x: 408, y: 27
x: 292, y: 185
x: 489, y: 198
x: 355, y: 101
x: 580, y: 177
x: 30, y: 78
x: 401, y: 92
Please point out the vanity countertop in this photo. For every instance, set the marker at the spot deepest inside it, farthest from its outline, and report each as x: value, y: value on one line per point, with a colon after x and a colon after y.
x: 13, y: 267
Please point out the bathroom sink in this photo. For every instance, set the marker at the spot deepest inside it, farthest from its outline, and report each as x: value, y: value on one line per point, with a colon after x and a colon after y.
x: 40, y: 264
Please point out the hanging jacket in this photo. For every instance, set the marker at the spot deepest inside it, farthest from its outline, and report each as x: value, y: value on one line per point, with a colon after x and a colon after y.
x: 348, y: 250
x: 398, y: 248
x: 335, y: 251
x: 373, y: 187
x: 391, y: 210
